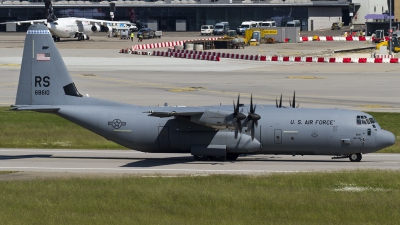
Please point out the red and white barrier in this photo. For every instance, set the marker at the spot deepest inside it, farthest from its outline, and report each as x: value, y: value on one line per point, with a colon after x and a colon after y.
x: 383, y: 56
x: 167, y: 44
x: 335, y: 38
x: 215, y: 56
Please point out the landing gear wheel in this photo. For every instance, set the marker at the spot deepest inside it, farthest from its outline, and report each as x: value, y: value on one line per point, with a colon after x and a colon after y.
x: 232, y: 156
x: 218, y: 158
x: 355, y: 157
x: 200, y: 157
x: 57, y: 38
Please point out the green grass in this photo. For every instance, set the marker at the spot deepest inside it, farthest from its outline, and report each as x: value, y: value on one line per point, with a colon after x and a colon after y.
x: 346, y: 197
x: 42, y: 130
x: 390, y: 122
x: 6, y: 172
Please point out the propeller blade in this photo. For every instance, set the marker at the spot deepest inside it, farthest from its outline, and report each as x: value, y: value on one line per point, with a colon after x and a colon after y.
x: 251, y: 104
x: 237, y: 104
x: 250, y: 127
x: 237, y: 117
x: 294, y: 99
x: 298, y: 104
x: 290, y: 103
x: 280, y: 102
x: 277, y: 103
x: 236, y: 130
x: 252, y: 133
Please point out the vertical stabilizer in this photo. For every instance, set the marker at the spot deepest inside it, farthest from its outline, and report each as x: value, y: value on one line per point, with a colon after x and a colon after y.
x: 50, y: 15
x: 44, y: 78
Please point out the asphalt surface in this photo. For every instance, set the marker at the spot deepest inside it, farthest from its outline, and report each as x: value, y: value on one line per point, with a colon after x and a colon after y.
x: 100, y: 71
x: 92, y: 162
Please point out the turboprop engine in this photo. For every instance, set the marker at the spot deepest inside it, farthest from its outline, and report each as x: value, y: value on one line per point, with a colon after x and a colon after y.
x: 95, y: 28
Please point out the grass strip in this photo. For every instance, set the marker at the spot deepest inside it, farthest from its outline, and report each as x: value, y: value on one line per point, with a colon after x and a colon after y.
x: 345, y: 197
x: 43, y: 130
x: 6, y: 172
x: 27, y: 129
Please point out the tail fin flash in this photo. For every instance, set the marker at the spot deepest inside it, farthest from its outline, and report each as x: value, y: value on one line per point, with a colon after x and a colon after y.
x: 44, y: 78
x: 50, y: 15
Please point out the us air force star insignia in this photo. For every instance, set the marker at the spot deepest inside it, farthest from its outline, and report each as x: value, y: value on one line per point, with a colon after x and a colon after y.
x: 314, y: 133
x: 117, y: 123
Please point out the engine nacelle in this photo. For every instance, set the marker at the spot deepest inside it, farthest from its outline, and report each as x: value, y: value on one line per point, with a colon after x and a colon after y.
x: 95, y: 28
x: 106, y: 29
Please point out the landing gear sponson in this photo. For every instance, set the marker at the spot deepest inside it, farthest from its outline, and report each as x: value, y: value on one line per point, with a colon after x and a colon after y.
x: 229, y: 157
x: 356, y: 157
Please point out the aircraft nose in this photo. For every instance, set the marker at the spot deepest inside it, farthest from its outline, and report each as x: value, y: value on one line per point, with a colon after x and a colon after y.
x: 385, y: 139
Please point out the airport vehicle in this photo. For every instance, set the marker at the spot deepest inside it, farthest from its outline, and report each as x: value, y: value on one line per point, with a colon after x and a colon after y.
x: 293, y: 23
x: 221, y: 28
x: 379, y: 36
x: 244, y: 26
x: 70, y: 27
x: 206, y: 29
x: 268, y: 24
x: 395, y: 44
x: 337, y: 26
x: 149, y: 33
x: 207, y: 132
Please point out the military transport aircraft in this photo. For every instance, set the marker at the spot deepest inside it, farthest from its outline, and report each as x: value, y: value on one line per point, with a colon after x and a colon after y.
x: 72, y: 27
x: 207, y: 132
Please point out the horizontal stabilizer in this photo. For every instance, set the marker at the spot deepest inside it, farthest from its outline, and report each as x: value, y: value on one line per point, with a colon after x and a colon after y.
x: 37, y: 108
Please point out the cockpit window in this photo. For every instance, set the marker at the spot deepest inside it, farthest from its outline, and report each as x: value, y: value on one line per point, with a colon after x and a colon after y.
x: 364, y: 120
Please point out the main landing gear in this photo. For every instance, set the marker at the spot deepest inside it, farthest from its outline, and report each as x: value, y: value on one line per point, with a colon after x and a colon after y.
x: 229, y: 157
x: 56, y: 39
x: 81, y: 37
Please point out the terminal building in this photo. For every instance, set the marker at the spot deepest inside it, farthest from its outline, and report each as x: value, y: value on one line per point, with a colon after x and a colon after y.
x: 166, y: 14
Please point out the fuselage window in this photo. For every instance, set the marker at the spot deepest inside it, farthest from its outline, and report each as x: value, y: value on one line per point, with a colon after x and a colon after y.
x: 372, y: 120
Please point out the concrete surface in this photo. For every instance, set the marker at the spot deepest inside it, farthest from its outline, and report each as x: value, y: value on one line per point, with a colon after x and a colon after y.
x: 92, y: 162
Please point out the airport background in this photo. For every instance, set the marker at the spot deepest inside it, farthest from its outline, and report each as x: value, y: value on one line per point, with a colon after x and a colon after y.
x: 313, y: 14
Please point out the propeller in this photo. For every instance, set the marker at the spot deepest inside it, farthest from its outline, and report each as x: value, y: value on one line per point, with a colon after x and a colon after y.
x: 280, y: 103
x: 237, y: 117
x: 252, y: 118
x: 293, y: 105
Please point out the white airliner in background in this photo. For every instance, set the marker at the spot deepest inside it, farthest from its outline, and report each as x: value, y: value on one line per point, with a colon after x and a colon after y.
x: 73, y: 27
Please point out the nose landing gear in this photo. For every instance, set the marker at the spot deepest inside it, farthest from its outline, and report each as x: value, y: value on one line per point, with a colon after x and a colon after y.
x: 355, y: 157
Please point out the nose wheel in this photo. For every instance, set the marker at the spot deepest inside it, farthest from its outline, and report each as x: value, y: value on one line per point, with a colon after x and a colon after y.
x: 355, y: 157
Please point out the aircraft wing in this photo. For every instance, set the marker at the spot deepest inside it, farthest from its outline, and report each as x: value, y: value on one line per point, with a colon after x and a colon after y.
x: 27, y: 21
x: 176, y: 111
x: 215, y: 117
x: 101, y: 22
